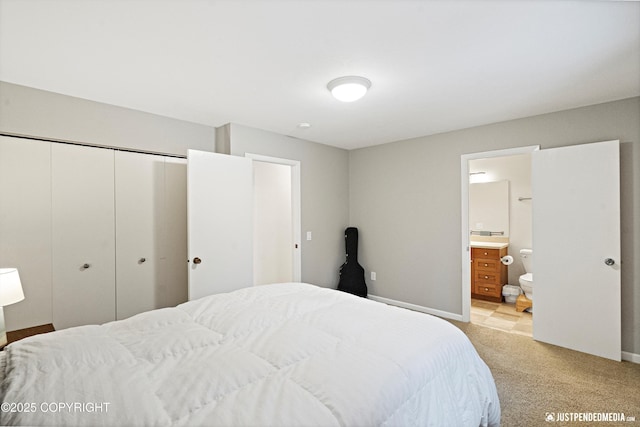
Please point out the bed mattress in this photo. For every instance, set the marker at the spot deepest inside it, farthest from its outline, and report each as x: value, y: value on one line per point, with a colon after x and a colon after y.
x: 287, y: 354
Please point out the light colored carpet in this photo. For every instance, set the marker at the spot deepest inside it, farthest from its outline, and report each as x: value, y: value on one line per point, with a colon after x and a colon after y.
x: 535, y: 380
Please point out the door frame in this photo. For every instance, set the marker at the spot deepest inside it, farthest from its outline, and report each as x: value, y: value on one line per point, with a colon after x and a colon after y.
x: 296, y: 245
x: 465, y: 244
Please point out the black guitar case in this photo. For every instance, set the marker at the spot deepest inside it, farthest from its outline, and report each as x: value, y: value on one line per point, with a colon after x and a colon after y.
x: 352, y: 273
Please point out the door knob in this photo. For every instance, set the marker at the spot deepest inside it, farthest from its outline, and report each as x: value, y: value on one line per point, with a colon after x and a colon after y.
x: 86, y: 266
x: 609, y: 261
x: 197, y: 260
x: 142, y: 260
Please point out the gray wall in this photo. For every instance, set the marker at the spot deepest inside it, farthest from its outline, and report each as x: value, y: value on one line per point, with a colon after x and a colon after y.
x: 403, y: 196
x: 324, y: 183
x: 25, y: 111
x: 405, y: 199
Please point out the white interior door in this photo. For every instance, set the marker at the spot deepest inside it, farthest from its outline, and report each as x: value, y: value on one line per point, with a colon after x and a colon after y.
x: 576, y: 234
x: 220, y: 223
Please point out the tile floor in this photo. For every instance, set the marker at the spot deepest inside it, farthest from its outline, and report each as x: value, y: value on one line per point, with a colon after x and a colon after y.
x: 501, y: 316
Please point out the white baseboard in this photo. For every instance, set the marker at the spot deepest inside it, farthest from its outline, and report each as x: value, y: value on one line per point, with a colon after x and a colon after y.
x: 630, y: 357
x: 414, y: 307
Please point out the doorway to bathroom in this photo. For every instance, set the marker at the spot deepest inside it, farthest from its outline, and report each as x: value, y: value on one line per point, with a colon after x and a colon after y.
x: 507, y: 221
x: 497, y: 224
x: 576, y: 232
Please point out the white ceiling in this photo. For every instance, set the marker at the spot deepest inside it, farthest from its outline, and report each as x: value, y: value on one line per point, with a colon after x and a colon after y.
x: 435, y: 66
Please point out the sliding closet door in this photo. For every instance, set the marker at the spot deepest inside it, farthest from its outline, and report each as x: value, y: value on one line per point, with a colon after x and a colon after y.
x: 220, y: 218
x: 83, y: 238
x: 139, y: 189
x: 151, y: 232
x: 25, y: 227
x: 576, y: 248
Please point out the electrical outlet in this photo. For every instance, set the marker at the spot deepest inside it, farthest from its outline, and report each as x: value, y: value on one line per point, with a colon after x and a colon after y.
x: 373, y: 275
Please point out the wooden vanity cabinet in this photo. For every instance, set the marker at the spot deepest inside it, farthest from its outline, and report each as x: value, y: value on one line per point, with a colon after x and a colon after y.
x: 488, y: 274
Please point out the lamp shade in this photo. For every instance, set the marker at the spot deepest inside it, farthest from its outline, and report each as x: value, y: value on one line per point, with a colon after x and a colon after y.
x: 10, y: 286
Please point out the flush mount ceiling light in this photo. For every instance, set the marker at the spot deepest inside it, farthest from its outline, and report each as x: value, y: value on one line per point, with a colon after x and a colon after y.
x: 349, y: 88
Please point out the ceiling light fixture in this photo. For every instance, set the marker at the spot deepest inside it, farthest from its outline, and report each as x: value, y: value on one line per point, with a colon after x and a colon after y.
x: 349, y: 88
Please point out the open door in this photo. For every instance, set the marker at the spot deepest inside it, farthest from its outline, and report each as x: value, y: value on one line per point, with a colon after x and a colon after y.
x: 576, y: 248
x: 220, y: 223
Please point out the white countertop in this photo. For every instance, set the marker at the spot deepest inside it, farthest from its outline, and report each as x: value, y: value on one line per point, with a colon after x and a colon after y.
x: 489, y: 245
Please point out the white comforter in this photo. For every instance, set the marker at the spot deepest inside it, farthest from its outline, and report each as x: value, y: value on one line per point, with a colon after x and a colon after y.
x: 282, y: 355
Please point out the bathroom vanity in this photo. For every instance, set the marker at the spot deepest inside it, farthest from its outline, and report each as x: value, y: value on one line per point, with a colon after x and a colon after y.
x: 488, y: 274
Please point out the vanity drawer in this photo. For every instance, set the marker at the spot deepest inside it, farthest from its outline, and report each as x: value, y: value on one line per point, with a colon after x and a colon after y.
x: 487, y: 278
x: 477, y: 253
x: 488, y: 290
x: 487, y: 264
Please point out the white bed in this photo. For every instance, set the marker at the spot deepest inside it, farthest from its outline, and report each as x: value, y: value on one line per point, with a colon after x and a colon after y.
x: 288, y: 354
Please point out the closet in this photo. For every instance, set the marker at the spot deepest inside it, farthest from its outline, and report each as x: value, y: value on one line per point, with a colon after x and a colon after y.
x: 96, y: 234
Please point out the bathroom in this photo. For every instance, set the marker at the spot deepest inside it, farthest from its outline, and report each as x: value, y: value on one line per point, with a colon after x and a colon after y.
x: 500, y: 218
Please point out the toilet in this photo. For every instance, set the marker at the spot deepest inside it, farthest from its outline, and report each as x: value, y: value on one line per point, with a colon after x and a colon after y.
x: 526, y: 280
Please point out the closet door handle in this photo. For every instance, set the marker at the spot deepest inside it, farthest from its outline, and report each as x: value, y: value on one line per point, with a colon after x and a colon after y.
x: 85, y: 266
x: 197, y: 260
x: 609, y: 261
x: 141, y: 260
